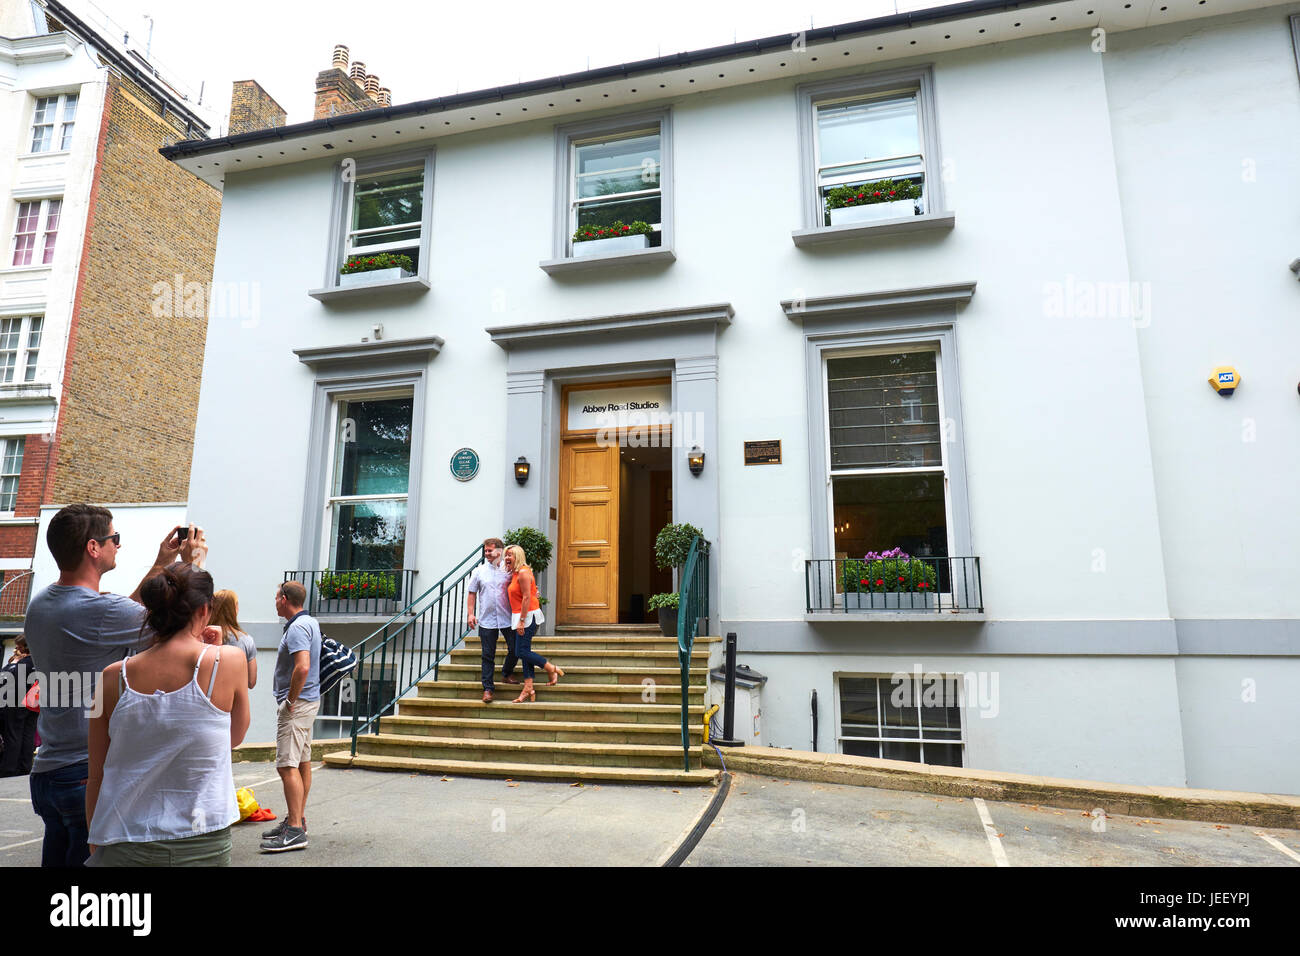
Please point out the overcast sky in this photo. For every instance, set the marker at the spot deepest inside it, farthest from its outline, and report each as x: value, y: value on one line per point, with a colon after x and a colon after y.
x: 421, y: 51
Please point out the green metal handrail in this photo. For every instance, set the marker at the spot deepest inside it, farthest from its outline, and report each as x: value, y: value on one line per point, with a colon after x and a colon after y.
x: 692, y: 608
x: 434, y: 629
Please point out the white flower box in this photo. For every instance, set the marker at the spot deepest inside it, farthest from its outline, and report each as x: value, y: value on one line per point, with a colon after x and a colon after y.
x: 889, y: 601
x: 899, y: 209
x: 595, y: 247
x: 374, y: 275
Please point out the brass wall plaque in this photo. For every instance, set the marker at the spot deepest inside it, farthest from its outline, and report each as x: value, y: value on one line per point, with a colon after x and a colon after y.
x: 593, y: 553
x: 763, y: 452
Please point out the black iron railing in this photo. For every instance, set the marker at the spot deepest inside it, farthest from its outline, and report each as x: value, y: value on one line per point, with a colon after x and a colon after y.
x: 934, y: 585
x: 411, y: 644
x: 692, y: 611
x: 367, y: 593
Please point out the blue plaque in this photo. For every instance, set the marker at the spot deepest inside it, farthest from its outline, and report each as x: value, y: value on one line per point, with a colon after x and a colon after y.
x: 464, y: 464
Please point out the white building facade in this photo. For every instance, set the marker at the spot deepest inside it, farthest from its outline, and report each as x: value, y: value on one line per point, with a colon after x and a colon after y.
x: 1005, y: 377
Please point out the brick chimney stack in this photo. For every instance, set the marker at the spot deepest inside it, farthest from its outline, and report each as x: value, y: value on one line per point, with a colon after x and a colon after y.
x: 346, y: 87
x: 251, y: 107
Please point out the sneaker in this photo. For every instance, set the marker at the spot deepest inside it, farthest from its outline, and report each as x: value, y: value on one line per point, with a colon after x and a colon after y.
x: 276, y: 830
x: 290, y: 838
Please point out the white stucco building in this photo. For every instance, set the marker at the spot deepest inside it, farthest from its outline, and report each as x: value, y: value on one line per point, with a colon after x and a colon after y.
x: 1006, y: 377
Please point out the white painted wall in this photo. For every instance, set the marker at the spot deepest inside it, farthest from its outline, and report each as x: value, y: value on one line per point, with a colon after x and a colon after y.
x: 143, y: 527
x: 1206, y: 121
x: 1111, y: 719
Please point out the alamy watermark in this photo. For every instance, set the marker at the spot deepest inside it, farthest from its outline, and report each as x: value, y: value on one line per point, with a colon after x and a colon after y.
x: 977, y: 690
x: 1086, y: 299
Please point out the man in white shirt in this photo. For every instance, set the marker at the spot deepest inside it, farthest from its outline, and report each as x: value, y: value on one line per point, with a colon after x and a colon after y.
x: 489, y: 611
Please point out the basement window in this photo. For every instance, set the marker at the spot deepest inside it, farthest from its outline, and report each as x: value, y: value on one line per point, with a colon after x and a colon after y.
x: 904, y: 716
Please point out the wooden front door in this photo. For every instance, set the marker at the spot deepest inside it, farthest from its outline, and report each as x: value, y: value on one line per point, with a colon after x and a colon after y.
x: 588, y: 565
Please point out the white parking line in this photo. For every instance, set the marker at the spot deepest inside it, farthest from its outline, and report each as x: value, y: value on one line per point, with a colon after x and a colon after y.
x: 1278, y: 845
x: 13, y: 846
x: 16, y: 799
x: 990, y: 831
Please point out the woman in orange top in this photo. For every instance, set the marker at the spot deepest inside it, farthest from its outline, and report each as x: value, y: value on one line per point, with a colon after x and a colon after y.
x: 525, y: 618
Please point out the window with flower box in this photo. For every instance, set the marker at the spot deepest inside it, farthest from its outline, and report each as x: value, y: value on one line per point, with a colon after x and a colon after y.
x: 36, y: 228
x: 614, y: 173
x: 383, y: 207
x: 52, y: 122
x: 870, y: 141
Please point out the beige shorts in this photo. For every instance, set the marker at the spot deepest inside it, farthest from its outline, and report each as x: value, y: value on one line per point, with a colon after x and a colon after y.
x: 293, y: 733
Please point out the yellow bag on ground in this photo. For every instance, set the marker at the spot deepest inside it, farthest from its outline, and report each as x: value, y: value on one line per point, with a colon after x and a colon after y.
x: 247, y: 803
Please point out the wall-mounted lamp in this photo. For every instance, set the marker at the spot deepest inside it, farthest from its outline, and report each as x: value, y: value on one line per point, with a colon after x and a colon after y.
x: 695, y: 460
x: 521, y: 470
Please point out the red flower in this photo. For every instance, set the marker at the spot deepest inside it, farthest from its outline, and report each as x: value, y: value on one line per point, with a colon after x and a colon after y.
x: 880, y: 582
x: 876, y: 193
x: 351, y: 587
x: 864, y: 581
x: 923, y: 585
x: 891, y: 192
x: 900, y: 577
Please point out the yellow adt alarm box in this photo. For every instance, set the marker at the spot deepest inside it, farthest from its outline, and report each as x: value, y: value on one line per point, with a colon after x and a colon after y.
x: 1225, y: 380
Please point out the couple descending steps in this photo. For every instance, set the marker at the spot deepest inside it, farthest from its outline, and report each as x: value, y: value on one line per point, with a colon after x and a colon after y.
x: 502, y: 589
x: 616, y: 717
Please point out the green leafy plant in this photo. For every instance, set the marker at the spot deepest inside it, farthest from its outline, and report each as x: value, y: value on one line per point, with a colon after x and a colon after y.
x: 380, y: 260
x: 658, y: 601
x: 617, y: 228
x: 888, y: 572
x: 537, y: 547
x: 885, y: 190
x: 673, y: 545
x: 355, y: 585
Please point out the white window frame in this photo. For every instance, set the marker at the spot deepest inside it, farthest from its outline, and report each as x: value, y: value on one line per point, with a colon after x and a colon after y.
x: 917, y: 80
x: 26, y: 354
x: 346, y: 174
x: 917, y: 692
x: 41, y: 236
x: 832, y: 473
x: 17, y: 476
x: 61, y: 127
x: 327, y: 515
x: 567, y: 140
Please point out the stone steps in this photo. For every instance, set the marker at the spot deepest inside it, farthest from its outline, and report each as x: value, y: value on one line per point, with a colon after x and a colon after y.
x: 602, y: 721
x: 523, y: 771
x: 558, y: 731
x: 581, y: 674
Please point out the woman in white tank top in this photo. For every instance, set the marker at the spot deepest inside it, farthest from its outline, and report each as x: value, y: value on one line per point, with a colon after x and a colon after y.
x: 160, y: 790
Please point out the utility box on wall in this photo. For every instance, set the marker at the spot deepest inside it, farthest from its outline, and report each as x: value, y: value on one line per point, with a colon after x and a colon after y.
x: 749, y: 703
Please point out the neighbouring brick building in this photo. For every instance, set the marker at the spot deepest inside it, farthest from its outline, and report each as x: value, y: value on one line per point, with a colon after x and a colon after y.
x: 104, y: 279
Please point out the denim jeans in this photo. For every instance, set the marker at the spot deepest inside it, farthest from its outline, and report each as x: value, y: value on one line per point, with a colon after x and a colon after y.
x: 524, y: 650
x: 59, y: 798
x: 488, y: 638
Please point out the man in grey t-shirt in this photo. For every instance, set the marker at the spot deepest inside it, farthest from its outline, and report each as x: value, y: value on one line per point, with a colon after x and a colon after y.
x: 74, y: 632
x: 296, y: 686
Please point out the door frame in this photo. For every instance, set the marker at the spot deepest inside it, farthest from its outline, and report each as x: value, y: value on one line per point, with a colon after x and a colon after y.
x: 563, y: 435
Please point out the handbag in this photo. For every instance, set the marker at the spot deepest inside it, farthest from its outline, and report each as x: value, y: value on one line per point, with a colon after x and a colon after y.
x: 336, y: 662
x: 33, y: 699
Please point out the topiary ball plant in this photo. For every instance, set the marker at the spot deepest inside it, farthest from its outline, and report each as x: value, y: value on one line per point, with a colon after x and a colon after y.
x: 673, y: 545
x: 537, y: 547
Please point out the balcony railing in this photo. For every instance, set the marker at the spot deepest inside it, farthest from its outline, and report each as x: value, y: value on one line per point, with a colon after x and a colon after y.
x: 928, y: 585
x: 14, y: 592
x: 358, y: 593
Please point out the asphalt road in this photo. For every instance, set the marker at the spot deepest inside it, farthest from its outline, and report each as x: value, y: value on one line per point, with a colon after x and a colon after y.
x: 359, y: 817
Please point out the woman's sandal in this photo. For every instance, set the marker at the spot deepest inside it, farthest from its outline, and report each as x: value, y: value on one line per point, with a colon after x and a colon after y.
x: 526, y: 695
x: 556, y: 673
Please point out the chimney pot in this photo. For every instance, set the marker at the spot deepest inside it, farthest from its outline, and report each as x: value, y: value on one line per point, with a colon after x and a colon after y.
x: 358, y: 72
x: 385, y: 96
x: 372, y: 86
x: 340, y: 59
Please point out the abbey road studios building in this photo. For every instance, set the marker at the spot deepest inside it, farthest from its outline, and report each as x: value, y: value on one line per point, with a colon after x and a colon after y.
x: 967, y: 338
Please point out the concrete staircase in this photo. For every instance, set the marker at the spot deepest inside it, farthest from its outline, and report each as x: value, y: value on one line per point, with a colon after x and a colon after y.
x: 615, y: 715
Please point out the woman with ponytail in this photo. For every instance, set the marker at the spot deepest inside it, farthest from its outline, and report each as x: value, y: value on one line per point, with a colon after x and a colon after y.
x: 160, y: 790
